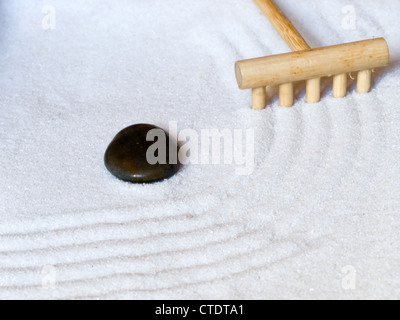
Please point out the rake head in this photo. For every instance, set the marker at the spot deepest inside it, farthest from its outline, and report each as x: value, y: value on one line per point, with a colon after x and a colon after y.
x: 308, y: 64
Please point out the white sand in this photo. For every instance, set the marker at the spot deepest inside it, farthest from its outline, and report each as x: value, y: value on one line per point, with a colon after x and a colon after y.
x: 325, y: 193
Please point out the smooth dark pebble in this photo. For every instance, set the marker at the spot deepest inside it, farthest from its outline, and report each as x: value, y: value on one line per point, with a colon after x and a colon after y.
x: 126, y: 159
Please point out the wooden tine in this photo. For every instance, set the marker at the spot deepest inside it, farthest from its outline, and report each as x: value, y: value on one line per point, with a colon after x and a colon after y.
x: 259, y: 98
x: 286, y: 94
x: 340, y: 85
x: 364, y: 81
x: 296, y: 43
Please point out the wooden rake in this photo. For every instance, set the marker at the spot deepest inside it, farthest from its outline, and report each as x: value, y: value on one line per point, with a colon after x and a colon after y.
x: 308, y: 64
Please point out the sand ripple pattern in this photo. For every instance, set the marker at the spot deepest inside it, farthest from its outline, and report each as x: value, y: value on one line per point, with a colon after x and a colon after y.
x: 324, y: 182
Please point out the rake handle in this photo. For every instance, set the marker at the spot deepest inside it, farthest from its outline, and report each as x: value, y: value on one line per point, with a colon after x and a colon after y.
x: 283, y: 25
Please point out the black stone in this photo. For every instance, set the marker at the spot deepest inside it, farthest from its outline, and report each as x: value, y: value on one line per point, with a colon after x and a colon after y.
x: 126, y: 158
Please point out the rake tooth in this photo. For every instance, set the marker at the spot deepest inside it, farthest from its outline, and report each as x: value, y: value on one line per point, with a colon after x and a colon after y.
x: 314, y: 90
x: 286, y: 95
x: 364, y: 81
x: 340, y: 85
x: 259, y: 98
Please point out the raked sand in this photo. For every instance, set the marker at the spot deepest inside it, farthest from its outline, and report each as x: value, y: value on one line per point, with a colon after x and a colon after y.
x: 318, y: 218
